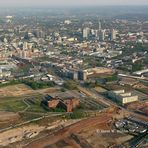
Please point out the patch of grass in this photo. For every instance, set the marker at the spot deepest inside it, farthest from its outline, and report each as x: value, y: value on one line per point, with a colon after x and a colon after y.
x: 114, y: 77
x: 38, y: 85
x: 16, y: 104
x: 76, y: 115
x: 13, y: 82
x: 36, y: 108
x: 13, y: 106
x: 28, y: 116
x: 70, y: 85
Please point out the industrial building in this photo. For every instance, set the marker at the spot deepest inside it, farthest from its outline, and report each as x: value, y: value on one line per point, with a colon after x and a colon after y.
x: 141, y: 73
x: 122, y: 96
x: 99, y: 70
x: 91, y: 72
x: 67, y: 104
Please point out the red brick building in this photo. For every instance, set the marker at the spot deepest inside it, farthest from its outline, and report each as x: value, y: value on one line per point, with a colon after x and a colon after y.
x: 67, y: 104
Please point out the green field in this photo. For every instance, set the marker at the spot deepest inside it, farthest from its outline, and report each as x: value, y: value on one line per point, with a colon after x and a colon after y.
x: 17, y: 104
x: 12, y: 106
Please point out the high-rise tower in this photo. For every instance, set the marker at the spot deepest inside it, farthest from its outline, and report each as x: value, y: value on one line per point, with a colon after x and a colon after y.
x: 100, y: 26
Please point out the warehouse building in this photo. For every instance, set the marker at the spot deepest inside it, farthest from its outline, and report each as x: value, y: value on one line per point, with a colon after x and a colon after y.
x: 122, y: 96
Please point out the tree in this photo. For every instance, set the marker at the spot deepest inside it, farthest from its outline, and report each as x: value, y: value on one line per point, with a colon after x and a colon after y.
x: 137, y: 66
x: 71, y: 85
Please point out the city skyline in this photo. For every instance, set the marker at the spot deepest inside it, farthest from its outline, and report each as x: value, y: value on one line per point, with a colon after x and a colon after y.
x: 73, y: 73
x: 71, y: 3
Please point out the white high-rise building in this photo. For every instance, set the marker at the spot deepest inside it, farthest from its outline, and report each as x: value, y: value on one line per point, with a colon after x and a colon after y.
x: 102, y: 35
x: 86, y: 32
x: 100, y: 26
x: 113, y: 34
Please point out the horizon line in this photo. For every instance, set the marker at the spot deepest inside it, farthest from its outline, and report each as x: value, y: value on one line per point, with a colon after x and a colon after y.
x: 74, y: 6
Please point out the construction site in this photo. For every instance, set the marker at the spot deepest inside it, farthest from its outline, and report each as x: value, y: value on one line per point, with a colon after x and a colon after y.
x: 78, y: 133
x: 24, y: 123
x: 96, y: 130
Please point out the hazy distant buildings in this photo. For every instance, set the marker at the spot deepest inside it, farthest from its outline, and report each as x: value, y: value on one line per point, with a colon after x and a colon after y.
x: 102, y: 35
x: 9, y: 19
x: 39, y: 33
x: 67, y: 22
x: 100, y: 26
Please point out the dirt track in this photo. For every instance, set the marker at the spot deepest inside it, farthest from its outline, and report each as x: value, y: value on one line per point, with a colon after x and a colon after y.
x: 68, y: 131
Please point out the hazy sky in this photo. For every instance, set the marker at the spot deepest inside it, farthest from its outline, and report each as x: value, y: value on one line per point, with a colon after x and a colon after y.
x: 70, y: 2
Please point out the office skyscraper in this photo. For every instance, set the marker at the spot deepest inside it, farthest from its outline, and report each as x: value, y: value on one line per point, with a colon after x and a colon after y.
x: 100, y: 26
x: 113, y: 34
x: 86, y: 32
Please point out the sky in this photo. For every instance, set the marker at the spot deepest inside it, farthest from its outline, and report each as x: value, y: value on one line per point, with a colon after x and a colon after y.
x: 70, y: 2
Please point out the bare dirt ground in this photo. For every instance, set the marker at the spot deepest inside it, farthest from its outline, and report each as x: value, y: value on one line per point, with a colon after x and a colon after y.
x: 61, y: 133
x: 15, y: 90
x: 4, y: 116
x: 81, y: 134
x: 17, y: 134
x: 138, y: 105
x: 140, y: 86
x: 8, y: 118
x: 22, y: 89
x: 100, y: 136
x: 89, y: 137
